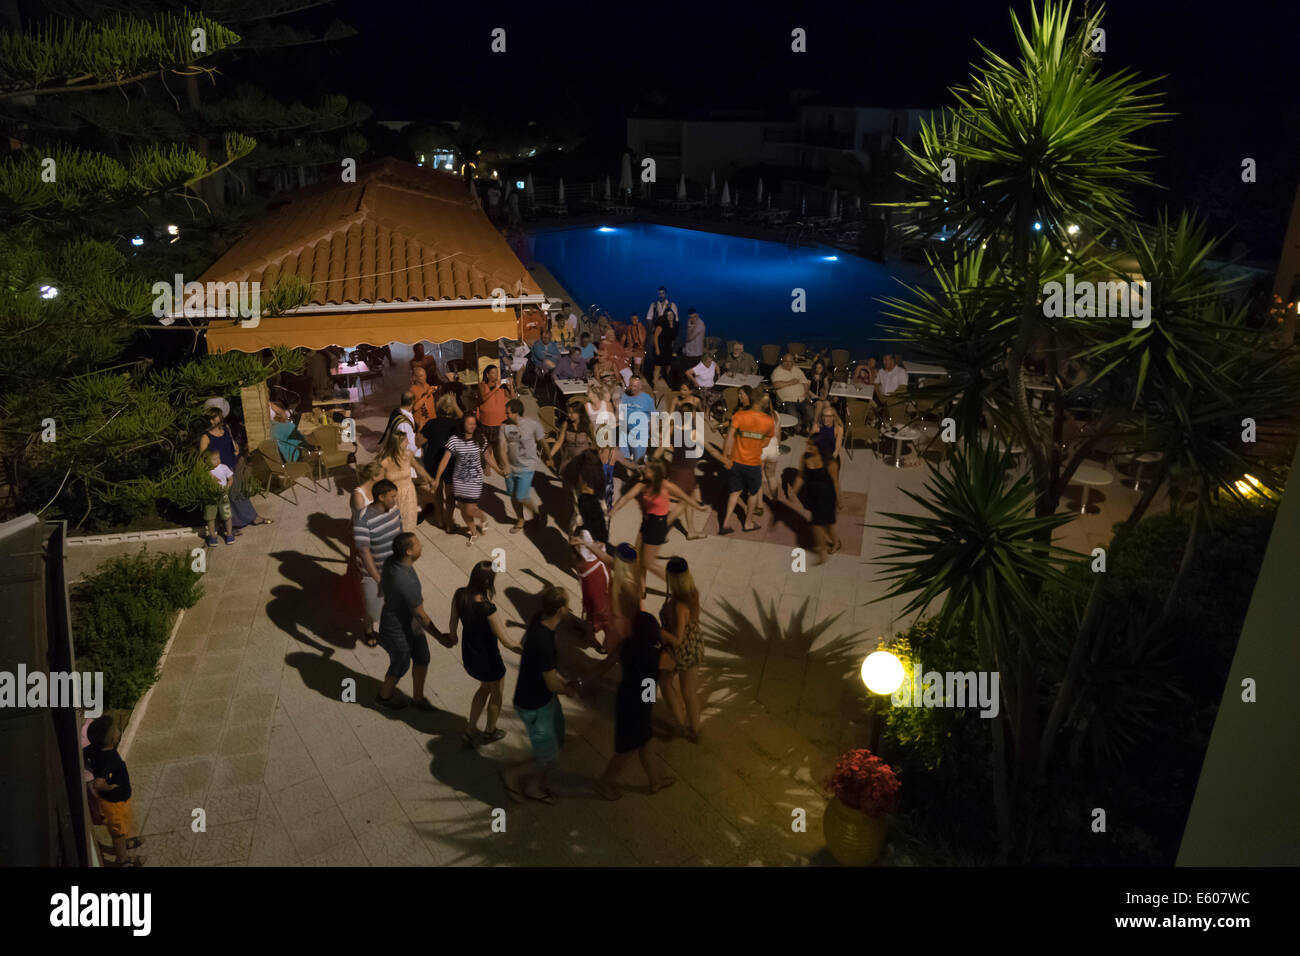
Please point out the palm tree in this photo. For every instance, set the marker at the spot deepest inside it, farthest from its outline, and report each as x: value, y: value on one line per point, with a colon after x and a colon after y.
x: 978, y: 546
x: 1043, y: 140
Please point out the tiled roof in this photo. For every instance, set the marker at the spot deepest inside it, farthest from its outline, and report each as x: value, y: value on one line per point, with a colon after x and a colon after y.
x: 400, y: 233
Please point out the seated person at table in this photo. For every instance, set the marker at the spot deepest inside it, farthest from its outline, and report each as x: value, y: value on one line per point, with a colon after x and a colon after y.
x: 289, y: 440
x: 632, y: 338
x: 587, y: 348
x: 739, y: 362
x: 791, y: 386
x: 703, y: 375
x: 865, y: 373
x: 571, y: 365
x: 891, y: 378
x: 614, y: 355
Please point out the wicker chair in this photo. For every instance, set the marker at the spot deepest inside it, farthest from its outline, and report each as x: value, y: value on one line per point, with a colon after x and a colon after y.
x: 268, y: 460
x: 771, y: 354
x: 860, y: 425
x: 840, y: 360
x: 331, y: 453
x: 797, y: 349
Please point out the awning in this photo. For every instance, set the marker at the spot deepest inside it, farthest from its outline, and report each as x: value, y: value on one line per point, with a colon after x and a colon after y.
x: 350, y: 329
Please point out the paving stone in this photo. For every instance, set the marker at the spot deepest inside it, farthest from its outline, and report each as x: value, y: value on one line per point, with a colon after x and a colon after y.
x: 224, y: 843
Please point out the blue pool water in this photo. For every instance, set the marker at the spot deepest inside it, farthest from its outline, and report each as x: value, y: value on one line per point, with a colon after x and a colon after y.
x: 742, y: 288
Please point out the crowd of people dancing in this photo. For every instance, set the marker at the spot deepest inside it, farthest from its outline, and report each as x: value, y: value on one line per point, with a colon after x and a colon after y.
x: 445, y: 440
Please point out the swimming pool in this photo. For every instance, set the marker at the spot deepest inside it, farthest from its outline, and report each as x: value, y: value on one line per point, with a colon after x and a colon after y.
x: 742, y: 288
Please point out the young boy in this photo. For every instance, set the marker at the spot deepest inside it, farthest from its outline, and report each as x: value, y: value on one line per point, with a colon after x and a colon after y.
x: 222, y: 475
x: 113, y: 786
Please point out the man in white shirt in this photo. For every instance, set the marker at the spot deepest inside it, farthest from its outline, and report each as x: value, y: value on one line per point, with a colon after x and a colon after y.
x: 703, y: 375
x: 792, y: 391
x: 403, y: 420
x: 891, y: 378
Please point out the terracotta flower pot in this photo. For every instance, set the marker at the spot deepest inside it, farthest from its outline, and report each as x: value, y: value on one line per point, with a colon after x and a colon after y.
x: 853, y: 837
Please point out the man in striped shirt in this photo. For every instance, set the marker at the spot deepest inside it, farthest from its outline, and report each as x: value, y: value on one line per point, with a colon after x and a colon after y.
x: 373, y: 531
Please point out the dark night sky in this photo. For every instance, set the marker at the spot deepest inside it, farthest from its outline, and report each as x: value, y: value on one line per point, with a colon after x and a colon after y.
x: 1230, y: 69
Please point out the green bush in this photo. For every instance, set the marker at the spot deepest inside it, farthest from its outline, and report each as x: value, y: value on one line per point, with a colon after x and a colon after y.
x: 1146, y: 704
x: 941, y: 755
x: 122, y: 617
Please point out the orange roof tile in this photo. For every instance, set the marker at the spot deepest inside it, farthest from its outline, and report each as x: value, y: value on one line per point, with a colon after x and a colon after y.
x: 400, y: 233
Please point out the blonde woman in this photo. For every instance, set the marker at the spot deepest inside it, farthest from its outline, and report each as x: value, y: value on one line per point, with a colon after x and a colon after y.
x: 683, y: 649
x: 625, y: 596
x: 828, y: 435
x: 363, y: 496
x: 402, y: 468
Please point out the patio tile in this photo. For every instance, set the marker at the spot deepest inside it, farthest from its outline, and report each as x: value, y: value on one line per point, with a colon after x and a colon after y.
x: 239, y: 770
x: 320, y: 833
x: 225, y: 843
x: 185, y: 776
x: 395, y: 844
x: 377, y: 807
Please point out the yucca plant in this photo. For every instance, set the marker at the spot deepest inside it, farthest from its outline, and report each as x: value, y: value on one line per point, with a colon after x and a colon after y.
x: 1045, y: 139
x: 978, y: 549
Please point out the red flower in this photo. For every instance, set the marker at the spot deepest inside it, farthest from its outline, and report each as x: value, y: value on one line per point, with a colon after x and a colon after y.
x: 865, y: 782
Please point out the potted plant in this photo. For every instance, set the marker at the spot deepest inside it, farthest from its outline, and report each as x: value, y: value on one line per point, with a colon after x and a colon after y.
x: 864, y: 791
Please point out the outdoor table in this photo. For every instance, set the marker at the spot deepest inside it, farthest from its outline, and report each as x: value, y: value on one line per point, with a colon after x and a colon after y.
x: 849, y: 390
x: 571, y: 386
x: 330, y: 403
x: 899, y: 435
x: 739, y: 381
x: 1090, y: 476
x: 920, y: 370
x: 351, y: 376
x: 1143, y: 458
x: 843, y: 391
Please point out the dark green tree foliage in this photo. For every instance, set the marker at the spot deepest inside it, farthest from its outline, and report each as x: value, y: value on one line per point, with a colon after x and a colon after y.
x: 82, y: 431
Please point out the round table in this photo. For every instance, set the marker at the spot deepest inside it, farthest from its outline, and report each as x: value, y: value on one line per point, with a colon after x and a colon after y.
x: 786, y: 421
x: 906, y: 433
x: 1090, y: 476
x: 1144, y: 458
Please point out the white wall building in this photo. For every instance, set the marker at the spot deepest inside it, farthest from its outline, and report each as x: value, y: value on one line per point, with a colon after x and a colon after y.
x: 721, y: 143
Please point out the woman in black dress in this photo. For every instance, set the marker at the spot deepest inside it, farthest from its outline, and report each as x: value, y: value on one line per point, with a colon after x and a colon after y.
x: 483, y: 633
x: 633, y: 708
x: 814, y: 488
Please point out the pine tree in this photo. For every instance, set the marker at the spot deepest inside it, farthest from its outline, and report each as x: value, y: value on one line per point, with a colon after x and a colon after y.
x: 83, y: 433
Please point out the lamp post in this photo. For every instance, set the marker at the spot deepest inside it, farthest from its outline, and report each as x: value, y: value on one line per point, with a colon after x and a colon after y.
x: 882, y: 673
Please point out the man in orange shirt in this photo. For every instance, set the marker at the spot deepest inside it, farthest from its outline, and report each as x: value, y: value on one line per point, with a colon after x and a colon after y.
x: 751, y: 430
x: 424, y: 396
